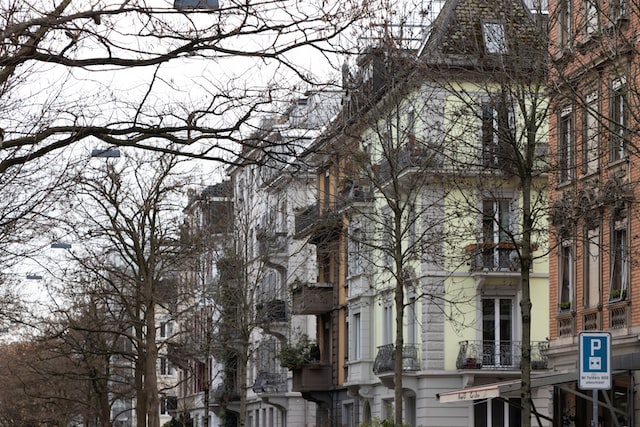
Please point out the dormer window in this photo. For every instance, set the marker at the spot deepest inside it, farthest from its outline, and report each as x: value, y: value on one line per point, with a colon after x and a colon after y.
x: 495, y: 40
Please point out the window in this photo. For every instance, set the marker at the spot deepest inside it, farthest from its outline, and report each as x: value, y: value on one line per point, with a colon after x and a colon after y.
x: 590, y: 135
x: 565, y: 145
x: 349, y: 415
x: 165, y: 368
x: 497, y: 412
x: 412, y: 320
x: 618, y: 274
x: 412, y: 236
x: 324, y: 265
x: 591, y: 267
x: 166, y: 329
x: 566, y: 276
x: 168, y: 404
x: 591, y: 20
x: 411, y: 127
x: 618, y: 9
x: 355, y: 252
x: 497, y: 332
x: 619, y: 120
x: 387, y: 326
x: 326, y: 190
x: 495, y: 41
x: 496, y: 229
x: 385, y: 246
x: 566, y: 23
x: 357, y: 336
x: 498, y: 127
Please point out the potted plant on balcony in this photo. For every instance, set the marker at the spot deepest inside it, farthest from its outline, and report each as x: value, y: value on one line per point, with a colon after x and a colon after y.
x: 304, y: 352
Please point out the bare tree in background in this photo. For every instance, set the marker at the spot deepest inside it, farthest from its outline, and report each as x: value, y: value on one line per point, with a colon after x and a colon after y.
x: 127, y: 229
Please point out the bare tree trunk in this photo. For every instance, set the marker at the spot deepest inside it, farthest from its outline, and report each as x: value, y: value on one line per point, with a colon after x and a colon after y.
x: 242, y: 384
x: 139, y: 370
x: 399, y: 347
x: 151, y: 375
x: 399, y: 305
x: 525, y: 303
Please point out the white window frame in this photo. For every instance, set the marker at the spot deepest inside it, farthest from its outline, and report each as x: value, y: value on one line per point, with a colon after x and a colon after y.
x: 619, y: 119
x: 591, y: 134
x: 591, y: 17
x: 566, y: 144
x: 357, y: 336
x: 566, y: 262
x: 495, y: 37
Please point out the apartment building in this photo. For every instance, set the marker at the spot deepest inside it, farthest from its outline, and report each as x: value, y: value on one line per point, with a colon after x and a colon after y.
x: 594, y: 62
x: 191, y: 349
x: 417, y: 197
x: 270, y: 185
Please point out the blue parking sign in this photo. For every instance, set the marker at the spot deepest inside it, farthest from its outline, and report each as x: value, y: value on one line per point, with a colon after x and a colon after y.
x: 595, y: 361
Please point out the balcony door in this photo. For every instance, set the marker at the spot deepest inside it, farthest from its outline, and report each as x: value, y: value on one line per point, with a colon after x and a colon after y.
x: 497, y: 332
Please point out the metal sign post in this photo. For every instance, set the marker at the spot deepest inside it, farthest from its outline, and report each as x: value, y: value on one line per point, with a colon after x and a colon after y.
x: 595, y: 365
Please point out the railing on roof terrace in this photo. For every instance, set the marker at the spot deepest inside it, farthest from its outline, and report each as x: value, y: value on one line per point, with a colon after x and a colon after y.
x: 501, y: 355
x: 386, y: 357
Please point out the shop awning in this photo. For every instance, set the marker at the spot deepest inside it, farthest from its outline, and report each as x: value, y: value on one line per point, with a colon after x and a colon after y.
x: 487, y: 391
x: 504, y: 388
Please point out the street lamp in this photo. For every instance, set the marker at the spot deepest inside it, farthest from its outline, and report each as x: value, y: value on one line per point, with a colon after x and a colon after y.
x: 105, y: 152
x: 196, y: 4
x: 61, y: 246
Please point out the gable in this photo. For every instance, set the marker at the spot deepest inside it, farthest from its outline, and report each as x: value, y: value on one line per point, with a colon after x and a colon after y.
x: 482, y: 28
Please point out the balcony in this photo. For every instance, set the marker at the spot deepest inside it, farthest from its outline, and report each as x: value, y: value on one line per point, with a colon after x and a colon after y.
x: 493, y: 257
x: 312, y: 377
x: 499, y: 355
x: 320, y: 224
x: 274, y: 310
x: 386, y: 359
x: 223, y: 394
x: 270, y: 382
x: 353, y: 194
x: 271, y: 244
x: 408, y: 159
x: 312, y: 298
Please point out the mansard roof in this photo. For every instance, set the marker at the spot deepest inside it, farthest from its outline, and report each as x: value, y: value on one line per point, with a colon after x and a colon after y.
x: 483, y: 32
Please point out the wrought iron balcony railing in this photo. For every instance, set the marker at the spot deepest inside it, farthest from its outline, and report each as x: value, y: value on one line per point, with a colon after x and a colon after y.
x: 385, y: 360
x: 270, y: 382
x: 505, y: 355
x: 408, y: 158
x: 317, y: 221
x: 351, y: 193
x: 224, y: 393
x: 493, y: 257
